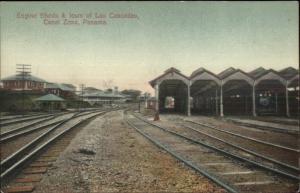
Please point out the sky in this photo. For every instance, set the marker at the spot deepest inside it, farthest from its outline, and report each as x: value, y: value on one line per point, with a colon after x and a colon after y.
x: 129, y: 52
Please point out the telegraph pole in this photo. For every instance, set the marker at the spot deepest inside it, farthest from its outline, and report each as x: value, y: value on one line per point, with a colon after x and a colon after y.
x: 139, y: 104
x: 82, y: 86
x: 24, y: 71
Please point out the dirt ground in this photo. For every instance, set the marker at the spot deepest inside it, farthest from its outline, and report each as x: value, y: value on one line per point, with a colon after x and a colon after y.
x: 109, y: 156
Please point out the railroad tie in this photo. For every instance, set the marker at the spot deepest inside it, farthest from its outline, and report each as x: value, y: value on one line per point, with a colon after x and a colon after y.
x: 29, y: 179
x: 47, y: 159
x: 19, y: 189
x: 35, y: 170
x: 40, y: 164
x: 49, y: 155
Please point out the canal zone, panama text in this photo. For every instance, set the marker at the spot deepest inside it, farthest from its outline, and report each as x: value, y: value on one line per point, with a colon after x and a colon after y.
x: 76, y: 18
x: 74, y: 22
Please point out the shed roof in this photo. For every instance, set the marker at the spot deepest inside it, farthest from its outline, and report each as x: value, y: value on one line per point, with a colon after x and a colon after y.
x: 267, y: 72
x: 70, y: 86
x: 200, y: 71
x: 25, y: 77
x: 288, y: 72
x: 258, y: 72
x: 58, y: 86
x: 172, y: 69
x: 169, y: 70
x: 226, y: 73
x: 49, y: 97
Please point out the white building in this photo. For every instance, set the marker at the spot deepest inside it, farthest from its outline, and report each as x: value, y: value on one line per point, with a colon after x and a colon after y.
x: 100, y: 97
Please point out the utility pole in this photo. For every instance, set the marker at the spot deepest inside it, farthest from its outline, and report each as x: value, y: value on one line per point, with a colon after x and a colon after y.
x: 24, y: 71
x: 82, y: 86
x: 139, y: 104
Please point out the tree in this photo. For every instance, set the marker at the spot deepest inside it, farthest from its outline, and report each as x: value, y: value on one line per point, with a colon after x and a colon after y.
x: 134, y: 94
x: 109, y: 90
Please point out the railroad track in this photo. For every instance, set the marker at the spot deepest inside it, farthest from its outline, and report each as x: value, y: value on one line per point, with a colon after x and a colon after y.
x: 244, y: 151
x: 15, y: 138
x: 23, y: 120
x: 245, y: 137
x: 232, y: 172
x: 268, y: 127
x: 27, y: 129
x: 14, y: 163
x: 279, y: 120
x: 11, y: 130
x: 13, y: 117
x: 277, y: 151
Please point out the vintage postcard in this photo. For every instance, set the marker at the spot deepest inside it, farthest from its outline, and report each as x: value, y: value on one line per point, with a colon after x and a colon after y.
x: 138, y: 96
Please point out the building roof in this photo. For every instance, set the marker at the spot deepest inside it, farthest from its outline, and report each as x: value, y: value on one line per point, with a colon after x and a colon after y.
x: 267, y: 72
x: 70, y: 86
x: 49, y: 97
x: 200, y: 71
x: 288, y: 72
x: 172, y: 69
x: 58, y: 86
x: 102, y: 94
x: 169, y: 70
x: 226, y: 73
x: 25, y: 77
x: 126, y: 95
x: 257, y: 72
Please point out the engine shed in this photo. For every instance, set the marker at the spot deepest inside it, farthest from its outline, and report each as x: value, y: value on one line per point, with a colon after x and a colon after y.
x: 231, y: 92
x: 172, y: 92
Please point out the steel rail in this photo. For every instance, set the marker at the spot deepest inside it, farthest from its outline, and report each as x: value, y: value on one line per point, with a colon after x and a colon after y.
x: 4, y: 134
x: 287, y: 166
x: 11, y: 137
x: 186, y: 162
x: 19, y: 116
x: 8, y: 161
x: 13, y: 157
x: 245, y: 137
x: 226, y: 153
x: 28, y: 119
x: 82, y: 113
x: 11, y: 165
x: 16, y: 155
x: 267, y: 128
x: 4, y: 137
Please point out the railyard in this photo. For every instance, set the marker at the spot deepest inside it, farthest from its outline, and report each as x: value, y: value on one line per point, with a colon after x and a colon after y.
x: 227, y: 132
x: 122, y: 150
x: 203, y: 133
x: 149, y: 97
